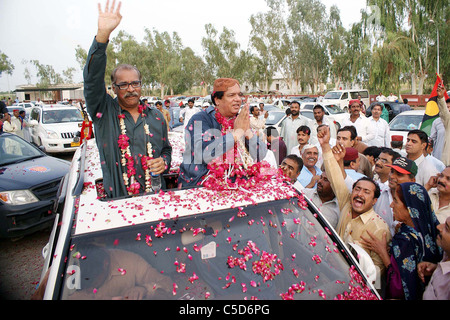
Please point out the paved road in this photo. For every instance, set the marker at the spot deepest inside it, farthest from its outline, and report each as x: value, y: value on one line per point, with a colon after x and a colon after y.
x: 21, y: 262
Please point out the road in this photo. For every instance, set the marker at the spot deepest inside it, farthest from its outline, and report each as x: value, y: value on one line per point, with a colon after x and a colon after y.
x: 21, y: 262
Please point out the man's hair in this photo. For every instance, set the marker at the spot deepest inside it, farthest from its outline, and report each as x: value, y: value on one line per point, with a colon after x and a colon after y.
x: 372, y: 151
x: 421, y: 134
x: 158, y: 103
x: 191, y: 100
x: 351, y: 129
x: 271, y: 132
x: 296, y: 159
x: 396, y: 144
x: 216, y: 95
x: 295, y: 102
x: 378, y: 104
x: 377, y: 187
x: 392, y: 153
x: 304, y: 129
x: 124, y: 67
x: 252, y: 108
x: 318, y: 106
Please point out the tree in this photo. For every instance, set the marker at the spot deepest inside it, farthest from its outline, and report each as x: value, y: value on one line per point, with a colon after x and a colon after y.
x: 5, y: 64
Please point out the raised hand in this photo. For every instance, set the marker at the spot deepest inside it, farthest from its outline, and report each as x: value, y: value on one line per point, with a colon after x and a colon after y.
x: 108, y: 20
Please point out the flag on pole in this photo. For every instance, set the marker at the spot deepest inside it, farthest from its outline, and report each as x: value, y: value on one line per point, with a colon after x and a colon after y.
x: 431, y: 109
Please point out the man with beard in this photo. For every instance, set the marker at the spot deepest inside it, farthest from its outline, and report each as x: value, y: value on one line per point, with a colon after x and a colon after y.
x: 132, y: 140
x: 324, y: 199
x: 439, y: 190
x: 291, y: 124
x: 357, y: 215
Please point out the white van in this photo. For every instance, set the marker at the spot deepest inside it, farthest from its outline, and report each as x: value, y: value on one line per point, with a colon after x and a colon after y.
x: 343, y: 97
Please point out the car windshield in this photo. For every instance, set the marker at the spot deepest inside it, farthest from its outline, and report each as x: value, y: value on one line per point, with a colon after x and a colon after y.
x: 273, y: 250
x: 274, y: 117
x: 333, y: 95
x: 334, y: 109
x: 61, y: 116
x: 406, y: 122
x: 13, y: 150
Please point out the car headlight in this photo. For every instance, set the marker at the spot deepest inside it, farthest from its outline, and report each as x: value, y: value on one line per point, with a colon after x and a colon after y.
x: 18, y: 197
x: 52, y: 134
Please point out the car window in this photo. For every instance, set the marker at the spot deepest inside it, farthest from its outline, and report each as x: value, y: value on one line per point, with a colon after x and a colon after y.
x: 61, y: 116
x: 344, y: 96
x: 406, y: 122
x: 35, y: 114
x: 364, y: 94
x: 334, y: 109
x: 274, y: 117
x: 14, y: 149
x: 274, y: 250
x: 333, y: 95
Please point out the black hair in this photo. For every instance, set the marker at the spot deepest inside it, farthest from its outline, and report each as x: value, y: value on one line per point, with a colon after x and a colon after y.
x: 318, y: 106
x: 191, y: 100
x: 158, y: 103
x: 304, y: 129
x: 296, y: 159
x: 351, y: 129
x: 295, y: 101
x: 372, y: 151
x: 271, y: 132
x: 217, y: 95
x: 377, y: 187
x: 392, y: 153
x: 423, y: 136
x: 252, y: 108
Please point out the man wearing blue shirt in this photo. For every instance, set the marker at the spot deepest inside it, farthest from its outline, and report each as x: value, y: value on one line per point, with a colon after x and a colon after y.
x: 310, y: 173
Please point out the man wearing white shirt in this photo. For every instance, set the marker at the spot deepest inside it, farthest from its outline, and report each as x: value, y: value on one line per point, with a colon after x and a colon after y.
x: 392, y: 98
x: 319, y: 119
x: 380, y: 97
x: 381, y: 128
x: 187, y: 113
x: 291, y: 124
x: 256, y: 122
x: 364, y: 131
x: 303, y: 136
x: 416, y: 143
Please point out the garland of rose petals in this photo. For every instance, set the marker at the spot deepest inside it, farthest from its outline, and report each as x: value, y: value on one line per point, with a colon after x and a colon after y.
x: 241, y: 173
x: 127, y: 160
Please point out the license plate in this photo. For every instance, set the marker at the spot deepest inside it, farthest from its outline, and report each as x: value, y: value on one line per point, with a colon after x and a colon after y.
x: 75, y: 144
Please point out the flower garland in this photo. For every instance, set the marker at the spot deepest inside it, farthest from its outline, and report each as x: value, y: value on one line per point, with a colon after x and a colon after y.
x: 236, y: 165
x: 127, y: 160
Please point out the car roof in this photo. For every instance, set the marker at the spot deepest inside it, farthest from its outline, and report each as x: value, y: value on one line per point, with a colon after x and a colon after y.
x: 57, y: 107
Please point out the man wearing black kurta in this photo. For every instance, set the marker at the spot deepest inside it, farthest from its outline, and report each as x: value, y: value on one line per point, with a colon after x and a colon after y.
x: 105, y: 112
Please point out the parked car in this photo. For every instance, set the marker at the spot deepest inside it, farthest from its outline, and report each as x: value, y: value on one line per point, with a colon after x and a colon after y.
x: 275, y: 119
x: 26, y: 105
x: 29, y: 180
x: 405, y: 122
x: 269, y: 243
x: 152, y: 100
x: 394, y: 108
x: 56, y: 127
x: 202, y: 101
x: 283, y: 103
x: 343, y: 97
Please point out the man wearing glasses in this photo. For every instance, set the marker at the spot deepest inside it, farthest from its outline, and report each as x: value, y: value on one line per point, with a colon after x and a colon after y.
x: 132, y: 139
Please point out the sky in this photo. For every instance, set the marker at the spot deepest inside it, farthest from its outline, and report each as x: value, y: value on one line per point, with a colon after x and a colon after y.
x: 50, y: 30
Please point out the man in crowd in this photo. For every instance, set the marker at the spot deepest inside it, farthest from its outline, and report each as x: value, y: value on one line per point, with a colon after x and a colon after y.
x: 310, y: 172
x: 351, y: 167
x: 292, y: 165
x: 364, y: 130
x: 303, y: 136
x: 324, y: 198
x: 187, y: 113
x: 257, y: 123
x: 320, y: 119
x: 397, y: 145
x: 442, y: 128
x: 276, y: 144
x: 416, y: 142
x: 439, y: 190
x: 132, y: 141
x: 383, y: 168
x: 165, y: 113
x: 346, y: 136
x: 357, y: 214
x: 380, y: 97
x: 290, y: 125
x: 382, y: 133
x: 213, y: 133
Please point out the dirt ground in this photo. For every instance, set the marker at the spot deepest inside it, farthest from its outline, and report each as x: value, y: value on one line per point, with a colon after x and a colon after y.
x: 21, y: 265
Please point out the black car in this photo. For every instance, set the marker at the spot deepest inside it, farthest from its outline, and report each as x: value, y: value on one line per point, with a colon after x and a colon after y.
x: 394, y: 108
x: 29, y: 181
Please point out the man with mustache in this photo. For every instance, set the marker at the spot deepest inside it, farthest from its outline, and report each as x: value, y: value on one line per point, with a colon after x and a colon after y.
x: 310, y: 172
x: 439, y: 190
x: 357, y: 214
x: 132, y: 141
x: 291, y: 124
x: 324, y: 198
